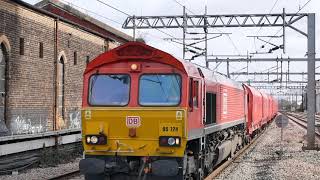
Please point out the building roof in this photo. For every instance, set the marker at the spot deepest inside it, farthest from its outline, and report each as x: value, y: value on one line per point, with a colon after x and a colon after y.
x: 98, y: 28
x: 66, y: 11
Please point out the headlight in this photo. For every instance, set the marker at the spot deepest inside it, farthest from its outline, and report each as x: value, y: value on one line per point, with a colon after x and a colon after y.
x: 88, y: 139
x: 177, y: 140
x: 169, y: 141
x: 96, y: 139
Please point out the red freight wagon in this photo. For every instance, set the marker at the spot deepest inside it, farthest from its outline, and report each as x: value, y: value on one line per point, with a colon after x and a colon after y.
x: 227, y: 100
x: 265, y: 107
x: 269, y: 107
x: 230, y: 100
x: 275, y: 106
x: 254, y: 99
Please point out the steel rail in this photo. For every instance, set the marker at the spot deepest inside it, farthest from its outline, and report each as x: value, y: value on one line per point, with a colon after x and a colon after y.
x: 301, y: 122
x: 214, y: 174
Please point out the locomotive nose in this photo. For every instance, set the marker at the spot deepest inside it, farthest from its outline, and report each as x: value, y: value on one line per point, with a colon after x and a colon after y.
x: 135, y: 132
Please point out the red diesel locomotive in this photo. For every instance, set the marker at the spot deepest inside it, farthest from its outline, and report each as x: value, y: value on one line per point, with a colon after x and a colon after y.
x: 148, y: 115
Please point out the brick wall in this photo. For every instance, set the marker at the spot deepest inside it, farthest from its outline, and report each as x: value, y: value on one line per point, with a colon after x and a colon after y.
x: 31, y: 80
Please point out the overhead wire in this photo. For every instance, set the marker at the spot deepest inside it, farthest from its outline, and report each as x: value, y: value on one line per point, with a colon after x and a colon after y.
x: 99, y: 15
x: 282, y: 27
x: 117, y: 9
x: 233, y: 44
x: 272, y: 8
x: 229, y: 38
x: 274, y: 5
x: 104, y: 17
x: 300, y: 8
x: 183, y: 6
x: 112, y: 7
x: 238, y: 71
x: 87, y: 10
x: 176, y: 1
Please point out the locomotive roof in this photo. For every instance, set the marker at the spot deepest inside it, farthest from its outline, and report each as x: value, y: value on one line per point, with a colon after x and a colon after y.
x: 218, y: 78
x: 139, y: 50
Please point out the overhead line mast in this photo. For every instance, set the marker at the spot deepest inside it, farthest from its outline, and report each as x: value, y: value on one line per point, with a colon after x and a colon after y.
x: 244, y: 20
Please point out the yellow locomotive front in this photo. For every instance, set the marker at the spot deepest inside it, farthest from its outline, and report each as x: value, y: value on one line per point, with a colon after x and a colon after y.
x: 130, y: 131
x: 133, y: 116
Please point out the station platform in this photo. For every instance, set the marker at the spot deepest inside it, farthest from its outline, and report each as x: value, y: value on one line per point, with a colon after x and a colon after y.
x: 27, y: 142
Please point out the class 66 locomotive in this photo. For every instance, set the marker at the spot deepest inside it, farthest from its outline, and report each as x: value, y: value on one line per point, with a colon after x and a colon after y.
x: 147, y: 115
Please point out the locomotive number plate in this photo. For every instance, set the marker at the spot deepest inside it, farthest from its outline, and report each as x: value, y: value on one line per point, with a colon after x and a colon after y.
x: 170, y: 129
x: 133, y: 121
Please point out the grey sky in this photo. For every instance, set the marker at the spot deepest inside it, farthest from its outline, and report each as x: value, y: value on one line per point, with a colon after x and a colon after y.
x: 295, y: 42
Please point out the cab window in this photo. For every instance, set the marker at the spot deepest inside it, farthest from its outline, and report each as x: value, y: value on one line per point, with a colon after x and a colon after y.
x: 211, y: 107
x: 109, y: 90
x: 159, y: 90
x: 194, y: 94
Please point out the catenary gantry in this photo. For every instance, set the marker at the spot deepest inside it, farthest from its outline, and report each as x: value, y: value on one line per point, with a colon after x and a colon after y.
x: 242, y: 20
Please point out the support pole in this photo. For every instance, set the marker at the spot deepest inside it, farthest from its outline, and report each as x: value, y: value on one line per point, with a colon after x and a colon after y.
x: 55, y: 117
x: 281, y: 74
x: 296, y: 101
x: 228, y: 72
x: 291, y: 102
x: 311, y: 83
x: 134, y: 28
x: 248, y: 72
x: 288, y: 74
x: 277, y: 69
x: 206, y: 38
x: 184, y: 32
x: 284, y: 30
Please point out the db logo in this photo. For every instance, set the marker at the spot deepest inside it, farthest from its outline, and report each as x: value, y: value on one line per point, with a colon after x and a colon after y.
x: 133, y: 121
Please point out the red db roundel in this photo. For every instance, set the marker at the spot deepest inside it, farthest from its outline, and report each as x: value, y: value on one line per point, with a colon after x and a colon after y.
x: 133, y: 121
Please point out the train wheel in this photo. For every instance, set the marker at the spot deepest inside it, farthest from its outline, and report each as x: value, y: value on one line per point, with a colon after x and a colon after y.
x: 247, y: 140
x: 200, y: 173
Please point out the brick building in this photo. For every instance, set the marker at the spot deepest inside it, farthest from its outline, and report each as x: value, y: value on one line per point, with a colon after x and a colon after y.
x: 44, y: 50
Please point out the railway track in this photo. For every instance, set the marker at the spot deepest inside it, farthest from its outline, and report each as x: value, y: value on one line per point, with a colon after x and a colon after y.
x: 301, y: 121
x: 213, y: 174
x: 224, y: 165
x: 67, y: 175
x: 303, y: 117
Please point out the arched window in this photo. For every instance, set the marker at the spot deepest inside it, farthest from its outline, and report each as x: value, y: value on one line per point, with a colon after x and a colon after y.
x: 60, y: 88
x: 3, y: 64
